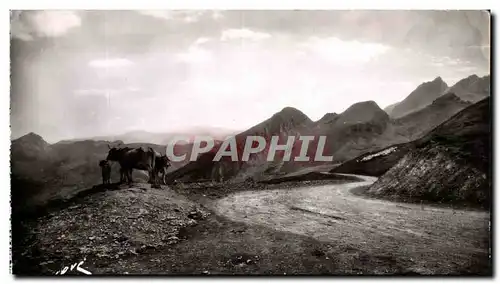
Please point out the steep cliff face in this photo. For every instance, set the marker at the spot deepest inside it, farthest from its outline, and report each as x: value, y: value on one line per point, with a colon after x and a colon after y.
x: 450, y: 164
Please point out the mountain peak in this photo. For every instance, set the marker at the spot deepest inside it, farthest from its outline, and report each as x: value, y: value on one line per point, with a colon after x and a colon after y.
x: 362, y: 112
x: 363, y: 106
x: 467, y: 80
x: 30, y: 146
x: 290, y: 110
x: 291, y: 113
x: 286, y: 119
x: 438, y: 79
x: 446, y: 98
x: 422, y: 96
x: 472, y: 88
x: 328, y: 117
x: 31, y: 137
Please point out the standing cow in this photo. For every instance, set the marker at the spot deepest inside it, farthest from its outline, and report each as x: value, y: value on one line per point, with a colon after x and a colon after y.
x: 162, y: 163
x: 116, y: 154
x: 106, y: 171
x: 137, y: 158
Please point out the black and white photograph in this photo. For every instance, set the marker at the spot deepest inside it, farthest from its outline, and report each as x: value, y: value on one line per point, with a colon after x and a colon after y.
x: 212, y: 142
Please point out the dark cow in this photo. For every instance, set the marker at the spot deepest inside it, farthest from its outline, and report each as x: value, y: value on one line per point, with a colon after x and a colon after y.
x: 137, y: 158
x: 116, y: 154
x: 106, y: 171
x: 161, y: 165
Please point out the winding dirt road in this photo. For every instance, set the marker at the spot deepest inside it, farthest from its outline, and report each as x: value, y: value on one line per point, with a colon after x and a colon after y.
x: 426, y: 240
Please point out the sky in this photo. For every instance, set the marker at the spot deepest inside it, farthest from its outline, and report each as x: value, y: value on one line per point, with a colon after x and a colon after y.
x: 87, y: 73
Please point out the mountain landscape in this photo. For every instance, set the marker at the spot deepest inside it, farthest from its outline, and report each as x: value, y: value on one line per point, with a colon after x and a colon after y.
x: 383, y: 120
x: 361, y: 128
x: 433, y: 147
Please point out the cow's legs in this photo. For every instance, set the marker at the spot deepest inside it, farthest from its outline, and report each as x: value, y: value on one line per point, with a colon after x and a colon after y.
x: 130, y: 176
x: 152, y: 177
x: 122, y: 175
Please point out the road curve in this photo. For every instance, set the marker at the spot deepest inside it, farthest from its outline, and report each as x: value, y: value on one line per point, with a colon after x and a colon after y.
x: 331, y: 213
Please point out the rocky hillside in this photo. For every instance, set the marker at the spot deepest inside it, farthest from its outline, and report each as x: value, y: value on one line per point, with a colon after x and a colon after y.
x: 449, y: 164
x: 422, y: 96
x: 101, y: 228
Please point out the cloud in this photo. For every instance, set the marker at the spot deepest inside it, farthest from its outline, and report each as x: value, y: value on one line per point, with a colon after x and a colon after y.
x: 188, y: 16
x: 161, y: 14
x: 110, y: 63
x: 201, y: 40
x: 247, y: 34
x: 101, y: 92
x: 25, y: 25
x: 446, y: 61
x: 194, y: 54
x: 339, y: 51
x: 217, y: 15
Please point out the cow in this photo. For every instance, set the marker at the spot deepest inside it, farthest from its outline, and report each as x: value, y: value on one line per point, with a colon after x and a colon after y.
x: 116, y: 154
x: 162, y: 163
x: 106, y: 171
x: 137, y: 158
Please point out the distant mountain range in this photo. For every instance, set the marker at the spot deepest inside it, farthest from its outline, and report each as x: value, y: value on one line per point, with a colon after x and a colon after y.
x: 470, y: 89
x: 362, y: 128
x: 161, y: 138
